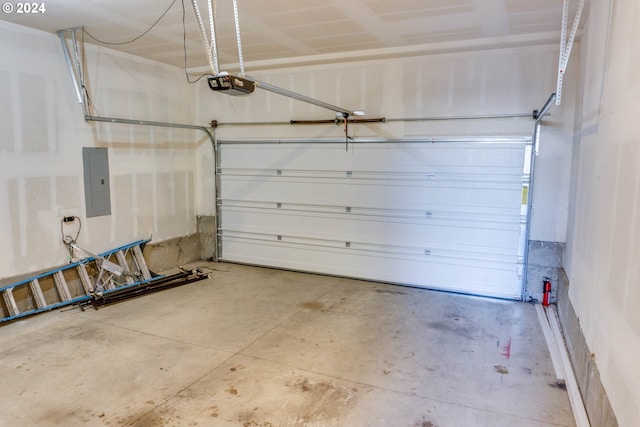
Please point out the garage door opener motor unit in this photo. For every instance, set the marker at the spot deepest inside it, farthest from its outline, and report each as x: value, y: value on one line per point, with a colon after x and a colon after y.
x: 231, y: 85
x: 236, y: 85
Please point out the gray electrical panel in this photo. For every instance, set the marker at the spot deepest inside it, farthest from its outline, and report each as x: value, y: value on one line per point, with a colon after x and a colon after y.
x: 96, y: 181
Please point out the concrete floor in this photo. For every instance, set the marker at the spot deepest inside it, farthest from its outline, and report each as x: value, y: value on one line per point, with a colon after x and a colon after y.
x: 257, y: 347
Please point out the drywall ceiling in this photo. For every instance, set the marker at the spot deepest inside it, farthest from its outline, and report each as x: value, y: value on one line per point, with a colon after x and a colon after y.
x: 282, y: 32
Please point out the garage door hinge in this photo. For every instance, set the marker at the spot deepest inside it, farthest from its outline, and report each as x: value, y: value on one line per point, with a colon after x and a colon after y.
x: 427, y: 251
x: 429, y: 214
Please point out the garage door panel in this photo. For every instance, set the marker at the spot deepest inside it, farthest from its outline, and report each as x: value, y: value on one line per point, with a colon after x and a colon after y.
x: 373, y: 157
x: 371, y: 194
x: 425, y: 232
x: 450, y: 274
x: 446, y: 216
x: 461, y: 213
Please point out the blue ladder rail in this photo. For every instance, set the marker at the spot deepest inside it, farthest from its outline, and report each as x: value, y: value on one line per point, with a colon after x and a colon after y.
x: 70, y: 266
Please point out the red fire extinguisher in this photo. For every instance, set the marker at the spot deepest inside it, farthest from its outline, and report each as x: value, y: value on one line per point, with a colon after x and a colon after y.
x: 546, y: 290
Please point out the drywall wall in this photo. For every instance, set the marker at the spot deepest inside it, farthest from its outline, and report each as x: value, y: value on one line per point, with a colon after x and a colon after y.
x: 603, y: 243
x: 492, y: 81
x: 42, y: 133
x: 163, y: 178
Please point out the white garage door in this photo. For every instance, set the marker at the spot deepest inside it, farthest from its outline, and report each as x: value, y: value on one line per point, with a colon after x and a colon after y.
x: 445, y: 215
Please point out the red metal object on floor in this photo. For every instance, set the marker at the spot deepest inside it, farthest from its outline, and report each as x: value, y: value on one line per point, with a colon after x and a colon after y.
x: 546, y: 291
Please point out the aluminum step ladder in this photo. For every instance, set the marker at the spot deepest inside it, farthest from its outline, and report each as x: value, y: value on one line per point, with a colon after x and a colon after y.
x: 76, y: 282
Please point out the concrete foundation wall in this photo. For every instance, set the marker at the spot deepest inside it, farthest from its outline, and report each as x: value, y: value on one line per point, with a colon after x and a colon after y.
x: 172, y: 252
x: 586, y: 371
x: 545, y: 260
x: 207, y: 235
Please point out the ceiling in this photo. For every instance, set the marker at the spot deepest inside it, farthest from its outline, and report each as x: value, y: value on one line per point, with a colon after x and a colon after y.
x: 284, y: 32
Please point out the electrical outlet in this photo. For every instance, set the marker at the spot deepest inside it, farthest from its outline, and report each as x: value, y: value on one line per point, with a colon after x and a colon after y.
x: 69, y: 212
